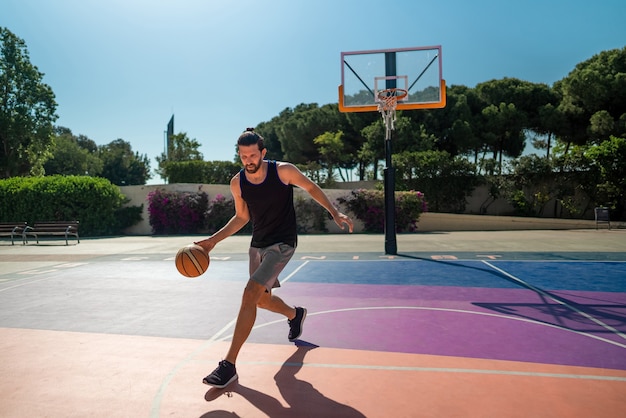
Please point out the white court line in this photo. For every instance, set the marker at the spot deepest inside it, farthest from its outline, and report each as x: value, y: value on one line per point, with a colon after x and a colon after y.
x: 22, y: 280
x: 462, y: 311
x: 155, y: 412
x: 560, y: 302
x: 440, y: 370
x: 293, y: 273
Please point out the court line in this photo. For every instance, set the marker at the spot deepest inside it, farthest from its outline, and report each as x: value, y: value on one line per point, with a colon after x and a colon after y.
x: 27, y: 282
x: 293, y: 273
x: 554, y: 299
x: 439, y: 369
x: 462, y: 311
x: 155, y: 411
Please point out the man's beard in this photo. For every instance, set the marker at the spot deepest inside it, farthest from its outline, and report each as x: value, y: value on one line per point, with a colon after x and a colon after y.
x: 253, y: 168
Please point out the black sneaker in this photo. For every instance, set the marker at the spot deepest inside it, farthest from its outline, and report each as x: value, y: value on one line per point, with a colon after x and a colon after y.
x: 222, y: 376
x: 295, y: 324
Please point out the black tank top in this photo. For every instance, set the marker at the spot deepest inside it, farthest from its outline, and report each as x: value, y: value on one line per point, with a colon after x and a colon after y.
x: 271, y: 209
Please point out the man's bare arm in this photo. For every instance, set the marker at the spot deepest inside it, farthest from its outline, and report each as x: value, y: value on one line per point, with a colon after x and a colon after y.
x: 290, y: 174
x: 238, y: 221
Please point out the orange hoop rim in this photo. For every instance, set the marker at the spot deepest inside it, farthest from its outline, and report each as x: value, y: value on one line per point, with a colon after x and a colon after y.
x: 393, y: 94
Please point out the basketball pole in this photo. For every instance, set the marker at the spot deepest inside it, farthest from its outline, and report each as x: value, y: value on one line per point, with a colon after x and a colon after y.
x: 391, y: 245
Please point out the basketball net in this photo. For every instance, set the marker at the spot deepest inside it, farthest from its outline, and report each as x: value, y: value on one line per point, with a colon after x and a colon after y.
x: 387, y: 103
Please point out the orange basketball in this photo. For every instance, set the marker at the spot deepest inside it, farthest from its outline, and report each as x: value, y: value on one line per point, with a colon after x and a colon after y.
x: 192, y: 260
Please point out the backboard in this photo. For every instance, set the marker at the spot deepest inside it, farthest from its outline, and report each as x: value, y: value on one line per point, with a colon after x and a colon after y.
x: 364, y: 74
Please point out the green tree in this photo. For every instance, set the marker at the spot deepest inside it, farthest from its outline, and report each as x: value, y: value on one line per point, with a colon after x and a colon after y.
x: 27, y: 111
x: 593, y: 99
x: 373, y: 149
x: 551, y: 122
x: 610, y: 158
x: 446, y: 181
x: 73, y: 155
x: 268, y: 130
x: 457, y: 125
x: 530, y: 185
x: 355, y: 123
x: 181, y: 148
x: 331, y: 148
x: 121, y: 166
x: 196, y: 171
x: 504, y: 131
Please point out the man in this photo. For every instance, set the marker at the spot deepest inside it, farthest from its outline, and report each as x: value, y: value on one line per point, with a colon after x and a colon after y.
x: 263, y: 193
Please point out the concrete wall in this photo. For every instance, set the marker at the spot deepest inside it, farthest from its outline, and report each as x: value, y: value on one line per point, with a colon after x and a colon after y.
x: 428, y: 221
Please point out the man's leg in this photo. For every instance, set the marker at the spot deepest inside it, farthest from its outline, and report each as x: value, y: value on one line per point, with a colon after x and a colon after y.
x: 296, y: 316
x: 245, y: 320
x: 275, y: 304
x: 225, y: 373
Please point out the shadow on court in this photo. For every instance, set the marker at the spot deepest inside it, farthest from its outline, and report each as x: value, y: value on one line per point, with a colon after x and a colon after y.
x: 574, y: 313
x: 562, y: 316
x: 301, y: 396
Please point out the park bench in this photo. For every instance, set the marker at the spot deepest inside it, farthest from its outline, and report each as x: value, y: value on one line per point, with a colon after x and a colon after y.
x: 12, y: 229
x: 602, y: 216
x: 55, y: 228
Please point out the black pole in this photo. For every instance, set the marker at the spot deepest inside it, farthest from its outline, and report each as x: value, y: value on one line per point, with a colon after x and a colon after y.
x: 391, y: 245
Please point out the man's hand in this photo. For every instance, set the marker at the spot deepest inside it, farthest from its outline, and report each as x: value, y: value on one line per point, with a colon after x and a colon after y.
x: 341, y: 220
x: 208, y: 244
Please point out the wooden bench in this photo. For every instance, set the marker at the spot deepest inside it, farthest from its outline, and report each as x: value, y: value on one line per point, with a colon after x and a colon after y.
x: 12, y: 229
x: 55, y: 228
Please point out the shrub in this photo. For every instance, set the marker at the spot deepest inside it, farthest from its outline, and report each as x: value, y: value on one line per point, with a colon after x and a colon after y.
x: 93, y: 201
x: 448, y: 181
x: 219, y: 213
x: 176, y: 212
x: 198, y: 171
x: 369, y: 207
x: 310, y: 216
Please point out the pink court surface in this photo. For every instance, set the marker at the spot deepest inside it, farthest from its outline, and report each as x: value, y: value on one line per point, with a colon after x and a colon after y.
x: 459, y: 324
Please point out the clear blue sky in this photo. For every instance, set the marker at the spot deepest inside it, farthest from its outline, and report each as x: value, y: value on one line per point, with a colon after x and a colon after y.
x: 121, y: 68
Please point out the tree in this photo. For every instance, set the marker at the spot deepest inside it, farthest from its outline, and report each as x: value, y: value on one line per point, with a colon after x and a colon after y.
x: 123, y: 167
x: 272, y: 143
x: 181, y: 148
x: 594, y: 99
x: 610, y: 158
x: 373, y: 149
x: 456, y: 125
x: 27, y: 111
x: 504, y: 131
x: 298, y: 130
x: 331, y: 148
x: 72, y: 155
x: 355, y: 123
x: 446, y: 181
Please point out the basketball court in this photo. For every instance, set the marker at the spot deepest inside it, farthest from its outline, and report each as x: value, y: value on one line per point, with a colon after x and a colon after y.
x: 511, y: 324
x: 109, y: 328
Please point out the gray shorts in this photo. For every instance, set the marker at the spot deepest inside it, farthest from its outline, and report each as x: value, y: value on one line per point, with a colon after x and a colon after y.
x: 267, y: 263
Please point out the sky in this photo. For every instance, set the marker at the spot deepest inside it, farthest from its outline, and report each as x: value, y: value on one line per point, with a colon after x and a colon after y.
x: 121, y: 68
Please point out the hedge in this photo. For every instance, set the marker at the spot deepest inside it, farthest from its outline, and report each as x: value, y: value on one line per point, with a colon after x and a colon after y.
x: 93, y: 201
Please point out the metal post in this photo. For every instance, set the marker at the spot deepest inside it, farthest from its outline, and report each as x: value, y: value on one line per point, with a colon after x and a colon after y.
x: 391, y: 246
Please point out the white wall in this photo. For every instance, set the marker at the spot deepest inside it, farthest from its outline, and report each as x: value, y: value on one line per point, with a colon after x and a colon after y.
x: 471, y: 221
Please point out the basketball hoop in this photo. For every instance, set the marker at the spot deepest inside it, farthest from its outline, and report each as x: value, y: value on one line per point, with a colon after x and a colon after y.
x: 387, y: 103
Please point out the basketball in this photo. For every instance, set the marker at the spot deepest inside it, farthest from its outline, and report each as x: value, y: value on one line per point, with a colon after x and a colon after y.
x: 192, y: 260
